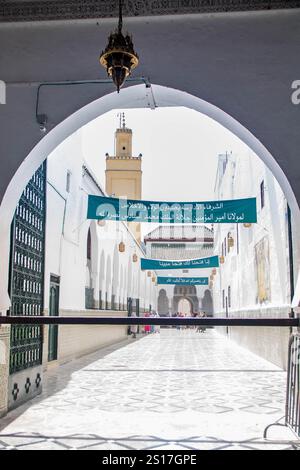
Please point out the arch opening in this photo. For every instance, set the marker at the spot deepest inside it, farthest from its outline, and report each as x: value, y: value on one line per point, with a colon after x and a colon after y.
x: 185, y: 307
x: 132, y: 97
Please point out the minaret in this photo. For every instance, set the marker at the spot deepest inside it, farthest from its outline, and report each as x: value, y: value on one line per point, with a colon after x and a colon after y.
x: 123, y: 171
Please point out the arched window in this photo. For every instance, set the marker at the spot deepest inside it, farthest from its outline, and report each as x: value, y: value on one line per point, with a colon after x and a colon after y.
x: 163, y: 303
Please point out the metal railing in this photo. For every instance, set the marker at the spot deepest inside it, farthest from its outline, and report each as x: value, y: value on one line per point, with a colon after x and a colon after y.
x: 292, y: 413
x: 292, y: 404
x: 183, y: 321
x: 292, y: 410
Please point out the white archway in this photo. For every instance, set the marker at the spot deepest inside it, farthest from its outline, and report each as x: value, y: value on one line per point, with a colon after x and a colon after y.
x: 108, y: 281
x: 129, y: 279
x: 185, y: 306
x: 132, y: 97
x: 115, y: 277
x: 102, y: 279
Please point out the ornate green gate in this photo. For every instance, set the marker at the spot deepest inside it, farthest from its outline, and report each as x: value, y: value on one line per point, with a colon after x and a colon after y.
x: 26, y: 284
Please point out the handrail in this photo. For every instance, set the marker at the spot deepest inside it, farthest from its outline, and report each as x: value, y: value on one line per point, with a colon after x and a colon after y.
x: 162, y: 321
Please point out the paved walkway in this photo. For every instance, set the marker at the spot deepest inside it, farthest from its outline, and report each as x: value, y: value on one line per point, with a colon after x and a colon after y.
x: 176, y: 390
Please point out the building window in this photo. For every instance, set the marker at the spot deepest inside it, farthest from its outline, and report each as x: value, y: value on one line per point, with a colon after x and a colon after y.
x: 68, y: 182
x: 262, y: 194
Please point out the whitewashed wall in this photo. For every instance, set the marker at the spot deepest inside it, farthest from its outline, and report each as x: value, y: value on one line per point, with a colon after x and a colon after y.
x: 242, y: 178
x: 109, y: 271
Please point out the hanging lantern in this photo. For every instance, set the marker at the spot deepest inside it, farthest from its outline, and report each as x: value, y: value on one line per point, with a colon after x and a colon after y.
x: 230, y: 242
x: 214, y: 271
x: 149, y: 274
x: 153, y: 278
x: 134, y: 257
x: 121, y: 247
x: 101, y: 223
x: 119, y: 57
x: 222, y: 259
x: 247, y: 225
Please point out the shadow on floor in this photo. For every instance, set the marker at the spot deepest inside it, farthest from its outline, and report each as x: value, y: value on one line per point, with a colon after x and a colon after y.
x: 57, y: 378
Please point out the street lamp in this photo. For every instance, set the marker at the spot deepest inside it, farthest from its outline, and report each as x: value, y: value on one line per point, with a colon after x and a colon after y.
x: 119, y: 57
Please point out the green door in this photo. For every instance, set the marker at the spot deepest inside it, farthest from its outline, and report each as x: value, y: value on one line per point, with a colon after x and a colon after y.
x: 53, y: 312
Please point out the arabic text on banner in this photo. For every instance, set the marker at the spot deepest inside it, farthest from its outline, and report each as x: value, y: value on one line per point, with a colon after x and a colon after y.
x: 155, y: 264
x: 230, y: 211
x: 183, y: 281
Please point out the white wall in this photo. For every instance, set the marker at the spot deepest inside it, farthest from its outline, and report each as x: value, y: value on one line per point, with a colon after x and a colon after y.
x: 109, y: 270
x: 242, y: 178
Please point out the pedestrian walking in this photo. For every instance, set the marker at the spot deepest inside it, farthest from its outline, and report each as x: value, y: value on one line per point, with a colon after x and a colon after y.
x: 156, y: 327
x: 152, y: 327
x: 201, y: 328
x: 147, y: 328
x: 133, y: 328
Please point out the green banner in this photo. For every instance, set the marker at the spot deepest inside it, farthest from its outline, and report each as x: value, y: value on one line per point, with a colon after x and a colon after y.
x: 155, y: 264
x: 230, y: 211
x: 183, y: 281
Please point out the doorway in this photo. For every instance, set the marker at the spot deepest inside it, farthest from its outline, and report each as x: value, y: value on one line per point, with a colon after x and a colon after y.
x: 185, y: 307
x: 53, y: 312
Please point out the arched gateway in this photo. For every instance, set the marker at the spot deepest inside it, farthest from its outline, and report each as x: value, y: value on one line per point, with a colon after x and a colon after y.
x: 227, y: 74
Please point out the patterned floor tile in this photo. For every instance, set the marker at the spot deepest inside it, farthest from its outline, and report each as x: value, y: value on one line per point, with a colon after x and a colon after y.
x: 164, y: 391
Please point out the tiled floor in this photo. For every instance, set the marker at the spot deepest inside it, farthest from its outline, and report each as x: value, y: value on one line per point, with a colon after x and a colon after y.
x: 176, y: 390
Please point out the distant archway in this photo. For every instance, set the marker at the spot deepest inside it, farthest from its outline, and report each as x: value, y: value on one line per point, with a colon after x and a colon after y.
x: 185, y: 307
x: 185, y: 292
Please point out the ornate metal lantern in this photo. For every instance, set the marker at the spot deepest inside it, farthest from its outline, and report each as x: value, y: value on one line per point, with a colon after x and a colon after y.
x: 230, y: 242
x: 119, y: 57
x: 149, y: 274
x: 222, y: 259
x: 121, y: 247
x: 153, y: 279
x: 101, y: 223
x: 214, y: 271
x: 134, y: 257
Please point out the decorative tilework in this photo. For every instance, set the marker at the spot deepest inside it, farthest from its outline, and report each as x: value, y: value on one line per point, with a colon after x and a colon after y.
x: 176, y: 390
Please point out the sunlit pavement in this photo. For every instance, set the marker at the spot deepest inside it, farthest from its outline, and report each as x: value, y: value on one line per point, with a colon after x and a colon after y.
x: 176, y: 390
